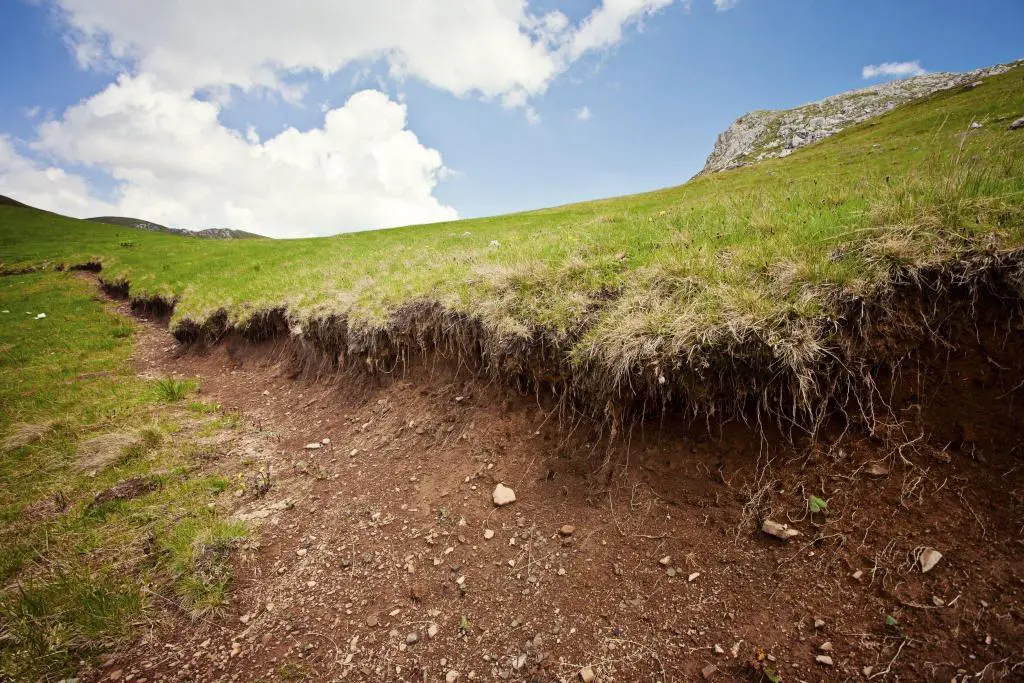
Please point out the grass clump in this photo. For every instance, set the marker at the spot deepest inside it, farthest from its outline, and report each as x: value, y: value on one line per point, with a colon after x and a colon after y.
x: 171, y: 390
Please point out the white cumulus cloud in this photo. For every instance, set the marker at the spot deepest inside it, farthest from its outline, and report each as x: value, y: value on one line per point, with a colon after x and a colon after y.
x: 45, y: 186
x: 176, y: 164
x: 488, y: 47
x: 583, y: 113
x: 893, y: 69
x: 723, y: 5
x: 156, y: 129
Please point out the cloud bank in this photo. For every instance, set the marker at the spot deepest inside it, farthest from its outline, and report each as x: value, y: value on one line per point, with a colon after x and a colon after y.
x: 156, y: 131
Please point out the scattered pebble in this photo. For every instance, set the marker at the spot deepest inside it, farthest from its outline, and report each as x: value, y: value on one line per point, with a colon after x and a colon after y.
x: 488, y: 534
x: 693, y: 577
x: 432, y: 630
x: 665, y: 561
x: 826, y: 646
x: 778, y: 530
x: 819, y: 623
x: 503, y: 495
x: 451, y: 676
x: 567, y: 530
x: 708, y: 671
x: 412, y: 638
x: 587, y: 674
x: 824, y: 659
x: 313, y: 446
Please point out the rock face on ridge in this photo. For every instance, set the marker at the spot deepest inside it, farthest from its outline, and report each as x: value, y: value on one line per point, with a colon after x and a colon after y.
x: 771, y: 134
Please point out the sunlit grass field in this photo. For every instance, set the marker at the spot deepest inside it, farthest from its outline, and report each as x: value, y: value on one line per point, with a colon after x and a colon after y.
x: 653, y: 275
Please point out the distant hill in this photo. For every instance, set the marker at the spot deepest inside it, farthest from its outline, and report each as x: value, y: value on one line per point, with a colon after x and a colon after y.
x: 125, y: 221
x: 208, y: 233
x: 7, y: 201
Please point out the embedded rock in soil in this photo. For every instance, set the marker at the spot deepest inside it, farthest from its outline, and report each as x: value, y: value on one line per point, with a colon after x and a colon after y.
x: 778, y: 530
x: 587, y: 674
x: 708, y: 671
x: 567, y: 530
x: 503, y: 495
x: 1019, y: 123
x: 824, y: 659
x: 929, y: 558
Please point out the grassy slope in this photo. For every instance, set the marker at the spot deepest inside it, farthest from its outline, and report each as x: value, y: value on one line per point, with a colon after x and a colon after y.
x: 676, y: 273
x: 75, y: 577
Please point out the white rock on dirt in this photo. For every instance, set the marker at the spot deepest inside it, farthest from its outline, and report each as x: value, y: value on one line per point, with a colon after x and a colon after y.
x: 665, y: 561
x: 313, y: 446
x: 503, y: 495
x: 693, y: 577
x: 451, y: 676
x: 928, y: 558
x: 431, y: 630
x: 488, y: 534
x: 587, y: 674
x: 778, y: 530
x: 824, y: 660
x: 1019, y: 123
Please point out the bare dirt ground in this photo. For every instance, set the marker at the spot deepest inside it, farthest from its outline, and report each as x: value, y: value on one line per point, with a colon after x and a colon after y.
x: 380, y: 555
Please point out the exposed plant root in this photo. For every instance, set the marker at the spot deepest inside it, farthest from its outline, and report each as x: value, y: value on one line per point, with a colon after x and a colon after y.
x: 799, y: 374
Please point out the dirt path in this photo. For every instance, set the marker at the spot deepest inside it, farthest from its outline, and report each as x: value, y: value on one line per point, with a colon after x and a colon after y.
x: 381, y: 555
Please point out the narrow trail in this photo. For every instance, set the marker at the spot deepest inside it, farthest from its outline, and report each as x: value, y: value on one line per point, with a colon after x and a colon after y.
x: 379, y: 555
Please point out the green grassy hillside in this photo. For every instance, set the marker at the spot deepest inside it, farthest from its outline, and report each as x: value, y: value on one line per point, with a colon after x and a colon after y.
x: 756, y: 261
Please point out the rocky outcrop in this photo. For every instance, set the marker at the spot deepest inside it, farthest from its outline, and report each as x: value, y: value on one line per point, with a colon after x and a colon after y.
x: 772, y: 134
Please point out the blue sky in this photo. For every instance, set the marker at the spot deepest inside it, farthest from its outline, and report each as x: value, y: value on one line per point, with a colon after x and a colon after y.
x: 101, y: 111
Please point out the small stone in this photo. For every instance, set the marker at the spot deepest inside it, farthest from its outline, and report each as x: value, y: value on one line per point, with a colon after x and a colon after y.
x: 325, y: 441
x: 432, y: 630
x: 372, y: 621
x: 876, y: 469
x: 824, y: 659
x: 826, y: 646
x: 115, y: 675
x: 778, y: 530
x: 451, y: 676
x: 719, y: 650
x: 671, y: 571
x: 301, y: 552
x: 857, y: 575
x: 867, y: 670
x: 975, y: 125
x: 708, y: 671
x: 1019, y: 123
x: 567, y: 530
x: 587, y: 674
x: 665, y: 561
x: 313, y: 446
x: 503, y: 495
x: 488, y: 534
x: 412, y: 638
x: 928, y: 558
x: 693, y: 577
x: 244, y: 618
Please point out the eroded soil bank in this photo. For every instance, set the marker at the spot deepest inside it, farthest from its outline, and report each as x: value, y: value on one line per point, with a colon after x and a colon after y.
x: 381, y: 556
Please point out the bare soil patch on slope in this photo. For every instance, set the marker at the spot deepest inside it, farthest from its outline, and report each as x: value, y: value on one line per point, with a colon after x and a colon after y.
x: 381, y: 556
